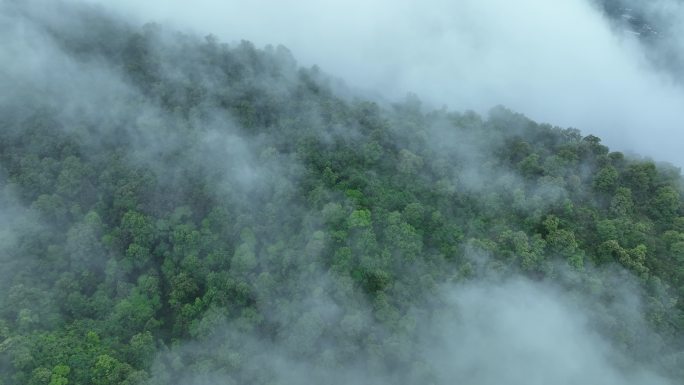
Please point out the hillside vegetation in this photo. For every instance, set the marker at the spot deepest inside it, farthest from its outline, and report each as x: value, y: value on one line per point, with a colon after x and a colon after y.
x: 171, y: 205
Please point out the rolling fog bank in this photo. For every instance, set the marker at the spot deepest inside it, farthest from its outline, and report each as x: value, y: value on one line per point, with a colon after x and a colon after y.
x: 565, y: 63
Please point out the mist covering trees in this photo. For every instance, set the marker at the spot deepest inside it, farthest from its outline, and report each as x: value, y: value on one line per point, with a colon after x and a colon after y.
x: 226, y: 201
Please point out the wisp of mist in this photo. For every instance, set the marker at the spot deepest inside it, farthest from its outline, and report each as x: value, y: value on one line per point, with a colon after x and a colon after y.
x: 560, y: 62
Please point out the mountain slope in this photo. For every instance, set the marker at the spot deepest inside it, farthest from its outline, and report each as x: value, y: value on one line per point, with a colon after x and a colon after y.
x: 176, y: 209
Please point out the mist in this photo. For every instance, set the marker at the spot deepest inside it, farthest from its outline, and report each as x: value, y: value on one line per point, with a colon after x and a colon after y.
x: 214, y: 213
x: 561, y: 62
x: 486, y: 331
x: 521, y: 332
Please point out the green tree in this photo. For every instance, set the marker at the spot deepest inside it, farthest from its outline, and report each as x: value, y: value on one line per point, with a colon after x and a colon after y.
x: 60, y: 375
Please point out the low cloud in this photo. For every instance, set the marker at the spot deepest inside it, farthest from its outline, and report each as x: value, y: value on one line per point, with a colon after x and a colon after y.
x: 483, y: 332
x: 522, y: 332
x: 560, y: 62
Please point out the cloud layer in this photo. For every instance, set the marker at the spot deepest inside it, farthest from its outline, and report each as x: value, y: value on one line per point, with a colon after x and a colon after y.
x: 514, y: 331
x: 559, y: 62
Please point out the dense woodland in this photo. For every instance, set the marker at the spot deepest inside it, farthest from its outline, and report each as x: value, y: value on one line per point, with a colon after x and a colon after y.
x: 172, y: 191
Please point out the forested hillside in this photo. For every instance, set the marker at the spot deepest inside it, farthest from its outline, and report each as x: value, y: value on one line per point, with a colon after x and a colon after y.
x: 176, y: 209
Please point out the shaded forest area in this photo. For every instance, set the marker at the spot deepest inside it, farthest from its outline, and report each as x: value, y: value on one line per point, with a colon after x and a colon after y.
x: 161, y: 190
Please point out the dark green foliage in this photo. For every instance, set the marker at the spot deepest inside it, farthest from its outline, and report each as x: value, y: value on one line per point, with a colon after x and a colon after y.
x: 160, y: 231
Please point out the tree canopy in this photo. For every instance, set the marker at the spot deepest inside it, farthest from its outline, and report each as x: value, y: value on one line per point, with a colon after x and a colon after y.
x: 225, y: 194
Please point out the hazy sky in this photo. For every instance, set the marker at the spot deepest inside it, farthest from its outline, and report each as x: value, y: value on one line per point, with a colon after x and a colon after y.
x: 557, y: 62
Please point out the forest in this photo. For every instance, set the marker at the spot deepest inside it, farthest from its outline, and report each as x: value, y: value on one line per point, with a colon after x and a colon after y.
x: 177, y: 209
